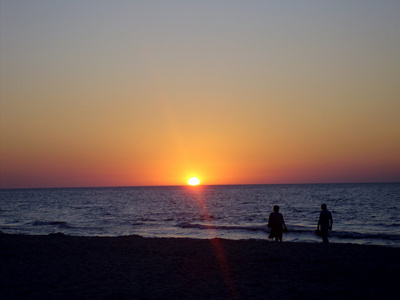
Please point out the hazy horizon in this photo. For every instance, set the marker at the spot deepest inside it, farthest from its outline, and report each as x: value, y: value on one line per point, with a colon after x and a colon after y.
x: 196, y: 187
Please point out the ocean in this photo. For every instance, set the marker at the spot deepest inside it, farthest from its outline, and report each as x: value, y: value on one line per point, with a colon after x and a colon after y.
x: 362, y: 213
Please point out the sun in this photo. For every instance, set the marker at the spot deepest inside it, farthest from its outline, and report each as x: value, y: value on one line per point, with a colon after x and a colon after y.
x: 193, y: 181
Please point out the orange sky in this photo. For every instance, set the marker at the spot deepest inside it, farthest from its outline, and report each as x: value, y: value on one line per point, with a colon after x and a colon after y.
x: 122, y: 94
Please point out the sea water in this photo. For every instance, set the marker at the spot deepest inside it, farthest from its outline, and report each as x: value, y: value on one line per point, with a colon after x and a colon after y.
x: 362, y: 213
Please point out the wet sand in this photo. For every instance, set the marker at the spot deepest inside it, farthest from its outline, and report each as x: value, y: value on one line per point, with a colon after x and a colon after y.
x: 65, y: 267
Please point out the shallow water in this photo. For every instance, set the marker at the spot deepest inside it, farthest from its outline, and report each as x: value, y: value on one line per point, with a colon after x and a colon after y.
x: 362, y: 213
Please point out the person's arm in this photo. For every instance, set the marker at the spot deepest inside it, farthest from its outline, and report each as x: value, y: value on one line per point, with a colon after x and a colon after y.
x: 331, y: 222
x: 283, y: 222
x: 319, y: 222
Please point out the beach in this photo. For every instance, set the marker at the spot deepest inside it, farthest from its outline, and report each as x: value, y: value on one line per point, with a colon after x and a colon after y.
x: 70, y: 267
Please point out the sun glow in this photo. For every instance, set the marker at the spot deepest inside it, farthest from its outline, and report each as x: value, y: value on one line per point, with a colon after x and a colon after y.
x: 193, y: 181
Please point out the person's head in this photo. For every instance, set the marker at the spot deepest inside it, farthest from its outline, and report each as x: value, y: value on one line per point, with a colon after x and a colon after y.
x: 323, y: 206
x: 276, y: 208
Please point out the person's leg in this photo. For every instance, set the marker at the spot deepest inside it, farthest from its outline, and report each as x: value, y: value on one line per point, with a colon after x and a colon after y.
x: 279, y: 234
x: 325, y: 236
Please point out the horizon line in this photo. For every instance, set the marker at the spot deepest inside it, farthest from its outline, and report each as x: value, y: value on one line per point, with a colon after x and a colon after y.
x: 200, y: 185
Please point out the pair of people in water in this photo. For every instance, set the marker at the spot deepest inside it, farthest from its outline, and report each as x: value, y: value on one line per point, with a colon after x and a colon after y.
x: 278, y: 226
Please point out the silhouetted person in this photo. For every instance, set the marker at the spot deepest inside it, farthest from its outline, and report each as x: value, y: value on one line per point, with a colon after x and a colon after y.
x: 325, y: 223
x: 277, y: 224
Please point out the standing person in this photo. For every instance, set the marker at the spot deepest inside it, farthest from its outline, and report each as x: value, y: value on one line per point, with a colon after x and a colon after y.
x: 325, y: 223
x: 277, y: 224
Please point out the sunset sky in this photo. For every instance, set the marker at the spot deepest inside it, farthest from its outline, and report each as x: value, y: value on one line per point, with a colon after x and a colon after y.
x: 132, y: 93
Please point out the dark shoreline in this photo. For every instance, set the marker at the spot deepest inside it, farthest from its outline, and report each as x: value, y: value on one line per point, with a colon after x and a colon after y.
x: 132, y: 267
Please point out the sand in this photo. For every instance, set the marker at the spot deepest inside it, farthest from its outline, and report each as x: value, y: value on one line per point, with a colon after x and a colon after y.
x: 65, y: 267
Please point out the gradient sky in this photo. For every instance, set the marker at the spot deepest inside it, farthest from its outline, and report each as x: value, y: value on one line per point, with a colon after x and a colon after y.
x: 123, y: 93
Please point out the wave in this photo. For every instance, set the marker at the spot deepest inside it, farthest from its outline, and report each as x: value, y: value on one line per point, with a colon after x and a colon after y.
x: 296, y: 230
x: 60, y: 224
x: 221, y: 227
x: 365, y: 236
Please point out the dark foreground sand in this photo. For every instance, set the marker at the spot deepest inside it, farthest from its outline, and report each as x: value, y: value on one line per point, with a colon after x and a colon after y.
x: 64, y: 267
